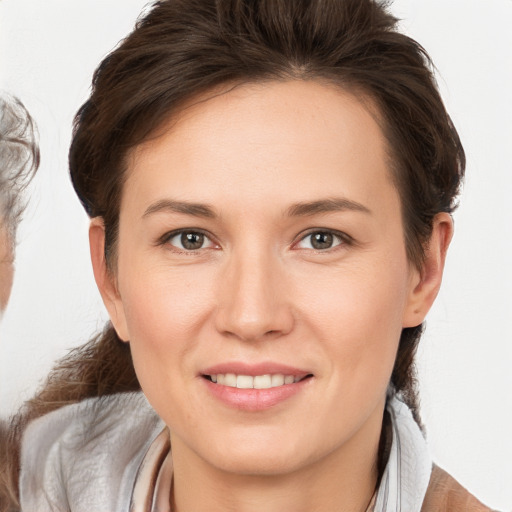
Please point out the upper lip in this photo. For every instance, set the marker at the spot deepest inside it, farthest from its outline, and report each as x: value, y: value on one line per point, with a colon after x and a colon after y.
x: 264, y: 368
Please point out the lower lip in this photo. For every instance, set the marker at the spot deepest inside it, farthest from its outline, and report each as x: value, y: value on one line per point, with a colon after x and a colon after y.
x: 254, y: 399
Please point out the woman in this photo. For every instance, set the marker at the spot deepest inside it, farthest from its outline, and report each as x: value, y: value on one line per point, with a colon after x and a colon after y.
x: 19, y: 159
x: 270, y: 187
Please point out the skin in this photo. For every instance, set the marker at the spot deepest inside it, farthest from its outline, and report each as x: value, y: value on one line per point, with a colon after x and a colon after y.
x: 6, y: 267
x: 257, y: 291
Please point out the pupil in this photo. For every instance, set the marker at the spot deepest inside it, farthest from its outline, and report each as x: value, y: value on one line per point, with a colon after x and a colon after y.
x: 322, y: 240
x: 192, y: 241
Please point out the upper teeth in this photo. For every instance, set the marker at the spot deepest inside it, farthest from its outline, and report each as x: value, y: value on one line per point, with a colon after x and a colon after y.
x: 256, y: 382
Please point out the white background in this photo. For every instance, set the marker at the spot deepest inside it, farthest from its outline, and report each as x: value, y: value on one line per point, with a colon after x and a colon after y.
x: 49, y: 49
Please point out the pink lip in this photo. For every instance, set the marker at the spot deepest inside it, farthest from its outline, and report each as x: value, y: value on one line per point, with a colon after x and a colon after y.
x: 265, y: 368
x: 254, y: 399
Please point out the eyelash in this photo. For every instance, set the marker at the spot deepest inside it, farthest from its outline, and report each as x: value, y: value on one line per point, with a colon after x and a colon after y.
x: 339, y: 239
x: 166, y: 239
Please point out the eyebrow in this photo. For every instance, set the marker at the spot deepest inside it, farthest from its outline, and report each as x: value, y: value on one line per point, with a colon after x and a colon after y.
x: 171, y: 206
x: 296, y: 210
x: 325, y: 206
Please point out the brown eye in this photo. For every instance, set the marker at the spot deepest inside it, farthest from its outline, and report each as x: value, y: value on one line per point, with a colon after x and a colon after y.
x: 192, y: 241
x: 189, y: 241
x: 321, y: 240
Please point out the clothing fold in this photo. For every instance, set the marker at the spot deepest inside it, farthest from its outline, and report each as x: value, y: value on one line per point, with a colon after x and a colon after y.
x: 113, y: 454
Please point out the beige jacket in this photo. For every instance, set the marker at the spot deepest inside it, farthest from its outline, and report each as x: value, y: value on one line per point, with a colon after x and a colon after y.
x: 445, y: 494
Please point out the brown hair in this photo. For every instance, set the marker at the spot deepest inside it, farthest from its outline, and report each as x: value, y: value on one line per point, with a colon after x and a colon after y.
x: 182, y: 48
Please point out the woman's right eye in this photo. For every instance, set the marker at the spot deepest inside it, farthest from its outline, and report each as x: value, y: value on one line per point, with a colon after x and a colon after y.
x: 189, y: 240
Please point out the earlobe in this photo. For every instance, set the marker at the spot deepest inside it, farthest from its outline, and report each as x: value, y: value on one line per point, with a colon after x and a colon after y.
x: 104, y: 279
x: 427, y: 281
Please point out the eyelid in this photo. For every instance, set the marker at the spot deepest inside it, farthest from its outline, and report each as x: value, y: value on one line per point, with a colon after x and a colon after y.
x: 164, y: 239
x: 169, y: 235
x: 345, y: 239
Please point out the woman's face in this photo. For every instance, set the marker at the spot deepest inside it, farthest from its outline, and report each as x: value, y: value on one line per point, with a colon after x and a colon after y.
x: 261, y: 246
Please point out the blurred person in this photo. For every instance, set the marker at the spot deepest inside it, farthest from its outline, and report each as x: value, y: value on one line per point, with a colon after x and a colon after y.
x: 19, y: 159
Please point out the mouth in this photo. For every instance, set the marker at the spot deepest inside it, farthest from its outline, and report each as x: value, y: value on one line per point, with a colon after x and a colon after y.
x: 255, y: 387
x: 265, y: 381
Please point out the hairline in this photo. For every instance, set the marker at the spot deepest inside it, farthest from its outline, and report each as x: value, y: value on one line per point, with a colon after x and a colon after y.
x: 366, y: 98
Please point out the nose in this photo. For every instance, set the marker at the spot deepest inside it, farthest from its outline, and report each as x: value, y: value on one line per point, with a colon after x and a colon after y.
x: 253, y: 301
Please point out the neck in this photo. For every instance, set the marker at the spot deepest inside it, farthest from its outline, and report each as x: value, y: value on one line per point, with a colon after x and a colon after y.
x: 343, y: 480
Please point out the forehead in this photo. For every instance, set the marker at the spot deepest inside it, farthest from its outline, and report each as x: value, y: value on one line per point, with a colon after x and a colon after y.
x: 305, y: 137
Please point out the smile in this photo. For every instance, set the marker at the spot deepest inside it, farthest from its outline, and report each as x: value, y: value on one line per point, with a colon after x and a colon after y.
x: 253, y: 382
x: 256, y: 386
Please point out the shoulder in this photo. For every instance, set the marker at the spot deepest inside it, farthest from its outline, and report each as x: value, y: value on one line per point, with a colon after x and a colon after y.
x: 86, y: 454
x: 445, y: 494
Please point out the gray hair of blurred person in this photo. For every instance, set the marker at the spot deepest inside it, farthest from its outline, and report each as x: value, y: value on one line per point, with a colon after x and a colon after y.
x: 19, y: 159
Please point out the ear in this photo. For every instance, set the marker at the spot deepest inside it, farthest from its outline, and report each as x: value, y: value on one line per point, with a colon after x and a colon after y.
x: 426, y: 281
x: 105, y: 279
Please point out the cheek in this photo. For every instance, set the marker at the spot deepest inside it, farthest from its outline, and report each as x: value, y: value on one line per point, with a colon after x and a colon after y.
x: 358, y: 315
x: 6, y: 279
x: 164, y: 308
x: 6, y: 266
x: 163, y: 313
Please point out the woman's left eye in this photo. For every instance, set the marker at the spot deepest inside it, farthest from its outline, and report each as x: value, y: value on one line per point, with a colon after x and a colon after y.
x: 320, y: 240
x: 189, y: 240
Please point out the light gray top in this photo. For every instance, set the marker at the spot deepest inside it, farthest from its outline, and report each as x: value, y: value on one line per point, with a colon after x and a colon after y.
x: 84, y: 457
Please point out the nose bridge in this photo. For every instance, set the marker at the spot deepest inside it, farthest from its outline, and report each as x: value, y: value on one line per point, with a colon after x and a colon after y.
x: 252, y: 302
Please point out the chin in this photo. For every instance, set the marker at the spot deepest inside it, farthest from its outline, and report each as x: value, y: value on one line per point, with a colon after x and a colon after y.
x: 261, y: 455
x: 258, y: 463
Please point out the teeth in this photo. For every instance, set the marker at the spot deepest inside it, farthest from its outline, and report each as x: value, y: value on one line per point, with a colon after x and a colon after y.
x: 277, y: 380
x: 244, y: 382
x: 250, y: 382
x: 262, y: 382
x: 230, y: 380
